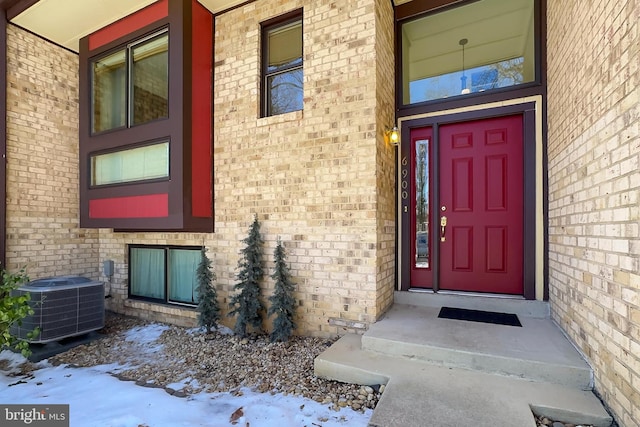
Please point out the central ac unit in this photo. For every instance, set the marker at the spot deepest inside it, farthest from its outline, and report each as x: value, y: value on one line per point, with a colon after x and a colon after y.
x: 63, y: 306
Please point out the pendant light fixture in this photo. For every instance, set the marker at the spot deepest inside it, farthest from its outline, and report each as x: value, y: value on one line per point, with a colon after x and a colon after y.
x: 463, y: 80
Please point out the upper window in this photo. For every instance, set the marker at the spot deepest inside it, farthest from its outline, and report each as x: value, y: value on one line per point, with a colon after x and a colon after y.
x: 134, y: 164
x: 131, y: 86
x: 478, y: 47
x: 165, y: 274
x: 282, y: 67
x: 146, y: 150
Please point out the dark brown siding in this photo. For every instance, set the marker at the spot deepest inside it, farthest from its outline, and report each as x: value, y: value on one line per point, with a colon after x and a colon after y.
x: 3, y: 137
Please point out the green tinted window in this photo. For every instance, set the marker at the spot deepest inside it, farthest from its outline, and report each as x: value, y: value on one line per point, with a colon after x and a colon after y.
x: 135, y: 164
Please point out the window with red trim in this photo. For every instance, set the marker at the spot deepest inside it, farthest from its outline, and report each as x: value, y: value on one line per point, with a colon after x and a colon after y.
x: 146, y: 121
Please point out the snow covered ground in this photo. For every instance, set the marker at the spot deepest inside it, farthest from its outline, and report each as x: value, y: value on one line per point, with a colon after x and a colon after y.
x: 97, y: 398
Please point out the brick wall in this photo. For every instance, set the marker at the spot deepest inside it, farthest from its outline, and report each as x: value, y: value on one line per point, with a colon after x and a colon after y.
x: 320, y: 179
x: 385, y: 162
x: 594, y: 190
x: 42, y: 161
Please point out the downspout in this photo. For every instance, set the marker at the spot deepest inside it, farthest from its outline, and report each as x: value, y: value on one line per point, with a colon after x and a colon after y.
x: 3, y: 137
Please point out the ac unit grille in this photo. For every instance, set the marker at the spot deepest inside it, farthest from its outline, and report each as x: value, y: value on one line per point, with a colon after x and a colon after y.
x: 63, y: 307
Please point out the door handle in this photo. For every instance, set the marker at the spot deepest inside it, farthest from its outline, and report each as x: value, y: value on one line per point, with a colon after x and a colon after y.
x: 443, y: 228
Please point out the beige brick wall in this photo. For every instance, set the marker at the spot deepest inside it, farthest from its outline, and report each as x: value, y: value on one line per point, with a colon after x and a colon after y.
x: 42, y: 161
x: 594, y: 190
x: 320, y: 179
x: 385, y: 162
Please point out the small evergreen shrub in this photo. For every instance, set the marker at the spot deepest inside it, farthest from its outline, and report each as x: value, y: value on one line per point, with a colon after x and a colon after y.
x: 246, y: 304
x: 283, y: 305
x: 13, y: 309
x: 208, y: 308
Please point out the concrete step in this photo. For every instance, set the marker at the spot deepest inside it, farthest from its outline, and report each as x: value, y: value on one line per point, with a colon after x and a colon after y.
x: 419, y: 393
x: 537, y: 351
x: 448, y: 372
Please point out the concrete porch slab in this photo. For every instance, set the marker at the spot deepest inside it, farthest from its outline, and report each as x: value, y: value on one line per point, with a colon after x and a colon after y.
x: 487, y: 302
x: 537, y: 351
x: 419, y: 393
x: 446, y: 372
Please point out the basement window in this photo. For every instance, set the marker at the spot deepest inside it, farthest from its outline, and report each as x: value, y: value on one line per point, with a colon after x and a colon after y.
x: 164, y: 274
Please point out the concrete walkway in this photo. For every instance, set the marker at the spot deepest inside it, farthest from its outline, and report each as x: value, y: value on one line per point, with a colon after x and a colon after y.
x: 443, y: 372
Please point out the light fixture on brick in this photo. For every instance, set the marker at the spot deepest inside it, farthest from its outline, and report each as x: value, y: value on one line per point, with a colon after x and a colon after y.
x: 393, y: 135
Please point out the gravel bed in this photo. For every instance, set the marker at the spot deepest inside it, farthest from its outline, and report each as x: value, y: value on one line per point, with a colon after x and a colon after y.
x: 546, y: 422
x: 186, y: 361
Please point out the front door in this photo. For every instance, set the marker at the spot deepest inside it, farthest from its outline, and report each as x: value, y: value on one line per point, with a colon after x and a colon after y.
x: 467, y: 220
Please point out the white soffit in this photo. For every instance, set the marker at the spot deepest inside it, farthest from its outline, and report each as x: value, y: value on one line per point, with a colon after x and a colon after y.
x: 65, y: 22
x: 216, y: 6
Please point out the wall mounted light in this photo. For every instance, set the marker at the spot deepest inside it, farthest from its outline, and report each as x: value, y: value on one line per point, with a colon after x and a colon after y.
x: 393, y: 135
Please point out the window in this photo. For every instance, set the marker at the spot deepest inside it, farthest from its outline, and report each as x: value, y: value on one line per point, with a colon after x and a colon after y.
x: 164, y: 274
x: 145, y: 149
x: 480, y: 46
x: 135, y: 164
x: 282, y: 67
x: 109, y: 92
x: 131, y: 86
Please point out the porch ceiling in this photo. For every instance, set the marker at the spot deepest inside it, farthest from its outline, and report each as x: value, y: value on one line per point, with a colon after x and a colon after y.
x: 65, y: 22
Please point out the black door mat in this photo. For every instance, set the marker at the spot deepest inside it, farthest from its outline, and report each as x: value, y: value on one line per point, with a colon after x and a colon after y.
x: 479, y: 316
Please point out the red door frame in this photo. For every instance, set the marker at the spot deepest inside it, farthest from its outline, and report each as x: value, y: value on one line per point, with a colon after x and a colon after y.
x: 529, y: 189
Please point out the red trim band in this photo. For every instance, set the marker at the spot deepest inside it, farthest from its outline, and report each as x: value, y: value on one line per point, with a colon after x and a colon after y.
x: 148, y: 206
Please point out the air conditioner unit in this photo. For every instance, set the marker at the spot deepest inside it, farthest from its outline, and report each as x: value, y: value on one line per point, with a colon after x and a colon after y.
x: 63, y: 306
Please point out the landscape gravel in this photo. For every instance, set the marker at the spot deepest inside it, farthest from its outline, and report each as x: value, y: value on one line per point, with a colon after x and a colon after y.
x: 546, y: 422
x: 185, y: 361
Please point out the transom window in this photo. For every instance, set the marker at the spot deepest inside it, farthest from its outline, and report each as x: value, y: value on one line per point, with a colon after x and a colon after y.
x: 164, y: 274
x: 282, y: 67
x: 480, y: 46
x: 131, y: 85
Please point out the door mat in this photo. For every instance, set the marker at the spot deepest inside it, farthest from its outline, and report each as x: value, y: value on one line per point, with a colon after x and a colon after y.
x: 479, y: 316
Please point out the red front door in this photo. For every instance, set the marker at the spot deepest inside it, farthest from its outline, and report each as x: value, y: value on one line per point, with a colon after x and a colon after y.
x: 478, y: 212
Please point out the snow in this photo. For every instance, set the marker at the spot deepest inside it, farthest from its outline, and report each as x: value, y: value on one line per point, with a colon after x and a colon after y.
x: 97, y: 398
x: 146, y: 336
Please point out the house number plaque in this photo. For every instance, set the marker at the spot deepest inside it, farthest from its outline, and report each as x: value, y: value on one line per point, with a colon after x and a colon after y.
x: 404, y: 184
